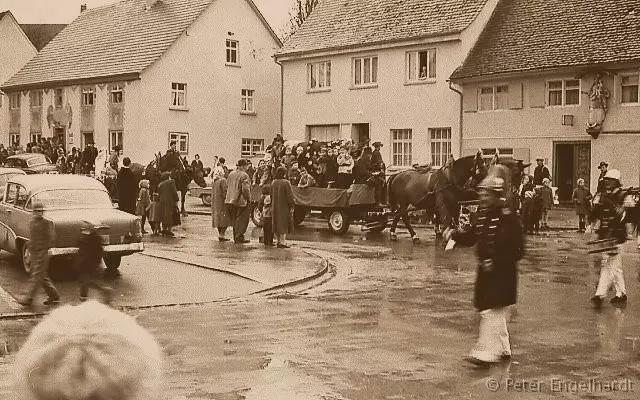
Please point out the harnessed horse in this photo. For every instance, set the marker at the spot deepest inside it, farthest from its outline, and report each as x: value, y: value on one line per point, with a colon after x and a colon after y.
x: 436, y: 191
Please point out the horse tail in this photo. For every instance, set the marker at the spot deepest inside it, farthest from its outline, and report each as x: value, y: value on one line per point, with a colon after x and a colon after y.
x: 390, y: 192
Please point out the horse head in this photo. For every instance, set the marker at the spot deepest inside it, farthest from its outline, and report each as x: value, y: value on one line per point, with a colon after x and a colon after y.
x: 467, y: 172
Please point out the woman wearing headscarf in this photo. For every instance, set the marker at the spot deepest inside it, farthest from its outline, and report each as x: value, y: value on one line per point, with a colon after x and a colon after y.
x: 498, y: 237
x: 220, y: 218
x: 281, y: 206
x: 168, y: 202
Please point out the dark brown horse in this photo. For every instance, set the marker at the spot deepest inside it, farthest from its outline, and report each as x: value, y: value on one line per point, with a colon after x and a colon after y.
x: 436, y: 191
x: 516, y: 167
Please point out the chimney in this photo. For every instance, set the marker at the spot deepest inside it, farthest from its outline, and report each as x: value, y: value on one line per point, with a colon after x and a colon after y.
x: 83, y: 8
x: 151, y: 3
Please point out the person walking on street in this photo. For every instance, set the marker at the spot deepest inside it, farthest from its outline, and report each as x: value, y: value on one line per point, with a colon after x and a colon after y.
x: 281, y: 207
x: 499, y: 246
x: 88, y: 260
x: 39, y: 244
x: 238, y: 199
x: 168, y: 203
x: 603, y: 167
x: 582, y: 199
x: 608, y: 210
x: 540, y: 172
x: 127, y: 188
x: 220, y: 219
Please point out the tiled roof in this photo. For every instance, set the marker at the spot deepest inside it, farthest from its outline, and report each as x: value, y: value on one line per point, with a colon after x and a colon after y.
x: 118, y: 39
x: 336, y: 24
x: 531, y: 35
x: 41, y: 34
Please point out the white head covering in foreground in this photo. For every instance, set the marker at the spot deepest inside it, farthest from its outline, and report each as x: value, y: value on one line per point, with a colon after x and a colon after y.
x: 89, y: 351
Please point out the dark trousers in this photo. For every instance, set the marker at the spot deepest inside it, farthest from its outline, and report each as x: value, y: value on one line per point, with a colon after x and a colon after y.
x: 143, y: 221
x: 344, y: 181
x: 89, y: 280
x: 267, y: 226
x: 40, y: 277
x: 240, y: 219
x: 582, y: 222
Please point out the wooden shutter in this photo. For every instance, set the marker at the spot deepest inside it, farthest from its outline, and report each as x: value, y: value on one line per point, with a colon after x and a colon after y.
x: 537, y: 93
x: 515, y: 96
x: 470, y: 99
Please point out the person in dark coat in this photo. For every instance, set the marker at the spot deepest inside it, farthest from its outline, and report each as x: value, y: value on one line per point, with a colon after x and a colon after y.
x: 362, y: 168
x: 220, y: 218
x: 196, y: 164
x: 499, y: 246
x: 332, y: 167
x: 526, y: 200
x: 238, y: 199
x: 282, y: 204
x: 88, y: 259
x: 540, y: 172
x: 168, y: 200
x: 603, y: 167
x: 127, y: 188
x: 582, y: 199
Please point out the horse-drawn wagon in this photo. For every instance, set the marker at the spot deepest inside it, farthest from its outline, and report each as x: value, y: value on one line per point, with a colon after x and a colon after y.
x: 341, y: 207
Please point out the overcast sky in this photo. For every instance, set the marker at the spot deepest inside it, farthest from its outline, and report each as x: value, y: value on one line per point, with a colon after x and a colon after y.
x: 65, y: 11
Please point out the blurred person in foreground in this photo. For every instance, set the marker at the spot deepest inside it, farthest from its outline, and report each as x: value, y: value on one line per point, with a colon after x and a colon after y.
x: 88, y: 352
x: 88, y: 260
x: 499, y: 243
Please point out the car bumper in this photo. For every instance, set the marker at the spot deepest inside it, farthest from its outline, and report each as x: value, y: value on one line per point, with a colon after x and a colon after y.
x: 122, y: 249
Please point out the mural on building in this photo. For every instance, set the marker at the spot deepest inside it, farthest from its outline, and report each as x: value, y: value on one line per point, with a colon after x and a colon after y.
x: 60, y: 117
x: 599, y: 97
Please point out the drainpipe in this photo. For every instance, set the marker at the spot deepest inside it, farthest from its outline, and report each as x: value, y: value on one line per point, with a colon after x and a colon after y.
x: 281, y: 96
x: 461, y: 113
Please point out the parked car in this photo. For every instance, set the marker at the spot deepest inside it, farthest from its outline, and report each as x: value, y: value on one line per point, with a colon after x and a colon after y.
x: 68, y: 200
x: 5, y: 175
x: 31, y: 163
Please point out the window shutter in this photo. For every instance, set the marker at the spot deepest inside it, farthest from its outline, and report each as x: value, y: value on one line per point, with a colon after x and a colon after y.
x: 470, y: 99
x: 537, y: 91
x: 515, y: 96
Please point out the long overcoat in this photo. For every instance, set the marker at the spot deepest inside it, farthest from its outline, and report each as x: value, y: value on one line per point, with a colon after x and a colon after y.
x: 168, y: 199
x: 219, y: 212
x: 127, y: 190
x: 499, y: 246
x: 581, y: 199
x: 281, y: 205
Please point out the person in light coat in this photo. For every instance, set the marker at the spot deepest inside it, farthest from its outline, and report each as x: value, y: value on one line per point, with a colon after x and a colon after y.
x: 238, y: 199
x: 220, y: 219
x: 282, y: 204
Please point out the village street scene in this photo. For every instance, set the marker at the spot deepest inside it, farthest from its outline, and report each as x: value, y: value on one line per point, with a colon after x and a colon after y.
x: 319, y: 199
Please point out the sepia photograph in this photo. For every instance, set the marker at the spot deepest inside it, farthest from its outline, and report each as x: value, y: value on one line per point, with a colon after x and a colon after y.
x: 319, y: 199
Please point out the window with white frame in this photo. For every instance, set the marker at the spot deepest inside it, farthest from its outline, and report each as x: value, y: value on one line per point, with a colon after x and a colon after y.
x: 35, y: 98
x: 232, y: 51
x: 365, y: 71
x: 494, y: 98
x: 117, y: 94
x: 252, y: 147
x: 563, y: 92
x: 88, y: 97
x: 35, y: 137
x: 58, y: 98
x: 440, y: 139
x: 115, y: 139
x: 402, y: 147
x: 489, y: 154
x: 14, y: 138
x: 182, y: 141
x: 319, y: 75
x: 178, y: 95
x: 630, y: 89
x: 421, y: 65
x: 248, y: 101
x: 14, y: 101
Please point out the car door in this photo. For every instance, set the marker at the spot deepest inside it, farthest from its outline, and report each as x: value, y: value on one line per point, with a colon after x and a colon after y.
x: 20, y: 217
x: 7, y: 208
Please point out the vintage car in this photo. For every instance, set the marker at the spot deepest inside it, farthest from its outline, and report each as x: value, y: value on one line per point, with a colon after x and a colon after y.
x: 68, y: 200
x: 31, y: 163
x: 5, y: 175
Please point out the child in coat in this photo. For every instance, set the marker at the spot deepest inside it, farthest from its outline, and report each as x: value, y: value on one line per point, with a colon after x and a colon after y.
x: 582, y: 200
x: 546, y: 195
x: 267, y: 220
x: 143, y: 203
x: 155, y: 214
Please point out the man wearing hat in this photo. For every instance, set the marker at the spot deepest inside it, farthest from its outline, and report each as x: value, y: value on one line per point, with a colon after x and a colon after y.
x: 540, y: 172
x: 238, y: 200
x: 603, y: 167
x: 39, y: 244
x: 88, y: 259
x: 378, y: 170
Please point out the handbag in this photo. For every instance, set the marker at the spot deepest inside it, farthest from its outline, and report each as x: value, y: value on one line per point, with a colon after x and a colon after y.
x: 176, y: 216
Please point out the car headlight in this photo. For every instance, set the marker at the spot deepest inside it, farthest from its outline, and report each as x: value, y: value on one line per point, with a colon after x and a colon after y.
x: 137, y: 229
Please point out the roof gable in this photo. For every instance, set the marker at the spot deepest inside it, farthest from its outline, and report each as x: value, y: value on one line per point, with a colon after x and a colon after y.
x: 529, y: 35
x: 117, y: 39
x: 41, y: 34
x: 336, y: 24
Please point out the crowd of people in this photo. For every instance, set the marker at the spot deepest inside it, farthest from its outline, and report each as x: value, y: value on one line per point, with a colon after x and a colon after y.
x: 78, y: 161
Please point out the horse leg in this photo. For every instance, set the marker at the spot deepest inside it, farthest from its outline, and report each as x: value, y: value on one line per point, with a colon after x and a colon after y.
x: 394, y: 225
x: 183, y: 198
x: 407, y: 223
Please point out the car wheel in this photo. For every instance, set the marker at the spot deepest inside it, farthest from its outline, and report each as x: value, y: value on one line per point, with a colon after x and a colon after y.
x: 206, y: 199
x: 112, y: 261
x: 25, y: 258
x: 338, y: 222
x: 256, y: 215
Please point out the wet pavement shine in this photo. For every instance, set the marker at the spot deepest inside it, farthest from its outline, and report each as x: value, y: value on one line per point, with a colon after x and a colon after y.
x: 388, y: 320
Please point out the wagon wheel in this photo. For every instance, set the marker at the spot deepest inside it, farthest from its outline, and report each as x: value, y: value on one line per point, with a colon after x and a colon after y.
x: 338, y: 222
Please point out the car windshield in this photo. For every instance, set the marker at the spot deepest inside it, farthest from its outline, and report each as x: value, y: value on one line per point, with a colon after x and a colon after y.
x: 72, y: 198
x: 36, y: 160
x: 15, y: 163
